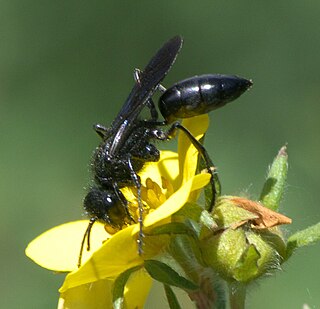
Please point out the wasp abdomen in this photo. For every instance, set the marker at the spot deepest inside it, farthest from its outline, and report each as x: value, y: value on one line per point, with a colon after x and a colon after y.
x: 200, y: 94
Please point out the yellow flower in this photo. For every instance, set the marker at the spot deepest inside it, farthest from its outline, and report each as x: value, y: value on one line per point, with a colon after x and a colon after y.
x: 167, y: 187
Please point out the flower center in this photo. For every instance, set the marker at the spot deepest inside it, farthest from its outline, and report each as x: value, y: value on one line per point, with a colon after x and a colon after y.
x: 152, y: 196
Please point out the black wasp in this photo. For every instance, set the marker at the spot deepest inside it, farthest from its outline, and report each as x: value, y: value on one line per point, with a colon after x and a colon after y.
x: 128, y: 143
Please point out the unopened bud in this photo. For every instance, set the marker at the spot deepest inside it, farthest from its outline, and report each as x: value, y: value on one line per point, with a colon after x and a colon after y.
x: 247, y: 242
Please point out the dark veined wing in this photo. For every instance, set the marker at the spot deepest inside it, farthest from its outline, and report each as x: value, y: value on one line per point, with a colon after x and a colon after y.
x: 149, y: 79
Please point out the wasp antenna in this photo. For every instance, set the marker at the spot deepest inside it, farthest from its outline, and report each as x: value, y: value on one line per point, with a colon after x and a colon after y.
x: 86, y: 235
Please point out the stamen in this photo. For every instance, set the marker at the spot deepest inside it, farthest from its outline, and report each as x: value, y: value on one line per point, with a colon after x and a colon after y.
x: 152, y: 195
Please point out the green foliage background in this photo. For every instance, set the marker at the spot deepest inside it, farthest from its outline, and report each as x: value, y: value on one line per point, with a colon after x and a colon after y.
x: 65, y: 65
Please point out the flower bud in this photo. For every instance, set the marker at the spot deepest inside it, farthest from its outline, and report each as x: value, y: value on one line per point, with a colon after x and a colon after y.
x: 247, y: 242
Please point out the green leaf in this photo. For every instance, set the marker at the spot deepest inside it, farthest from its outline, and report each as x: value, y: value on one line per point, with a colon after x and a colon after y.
x: 118, y: 288
x: 276, y: 180
x: 302, y: 238
x: 165, y: 274
x: 171, y: 297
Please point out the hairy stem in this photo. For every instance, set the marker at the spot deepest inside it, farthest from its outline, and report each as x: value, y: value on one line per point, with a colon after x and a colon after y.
x: 237, y: 296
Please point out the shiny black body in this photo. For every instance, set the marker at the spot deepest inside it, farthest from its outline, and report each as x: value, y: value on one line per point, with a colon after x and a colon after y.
x: 200, y: 95
x: 125, y: 145
x: 129, y: 142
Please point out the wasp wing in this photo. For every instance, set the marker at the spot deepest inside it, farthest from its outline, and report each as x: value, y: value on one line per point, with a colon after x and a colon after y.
x: 149, y: 79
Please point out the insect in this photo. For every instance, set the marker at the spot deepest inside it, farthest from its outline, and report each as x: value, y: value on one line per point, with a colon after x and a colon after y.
x: 128, y: 143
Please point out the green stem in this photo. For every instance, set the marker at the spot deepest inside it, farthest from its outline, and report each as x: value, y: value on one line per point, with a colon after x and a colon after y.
x: 211, y: 294
x: 237, y: 295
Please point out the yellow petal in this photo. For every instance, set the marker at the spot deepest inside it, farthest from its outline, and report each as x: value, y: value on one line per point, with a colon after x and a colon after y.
x: 116, y: 255
x: 177, y: 200
x: 137, y: 289
x: 58, y: 248
x: 166, y: 167
x: 197, y: 125
x: 97, y: 295
x: 188, y: 155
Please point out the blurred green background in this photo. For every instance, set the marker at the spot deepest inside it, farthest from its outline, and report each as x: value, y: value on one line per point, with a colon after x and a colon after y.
x: 65, y: 65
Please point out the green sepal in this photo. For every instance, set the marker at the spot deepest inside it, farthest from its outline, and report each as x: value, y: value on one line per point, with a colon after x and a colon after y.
x: 226, y: 213
x: 240, y: 255
x: 165, y: 274
x: 171, y: 297
x: 207, y: 220
x: 274, y: 186
x: 302, y: 238
x: 190, y: 211
x: 208, y: 225
x: 186, y: 253
x: 266, y: 245
x: 118, y: 287
x: 171, y: 228
x: 247, y: 266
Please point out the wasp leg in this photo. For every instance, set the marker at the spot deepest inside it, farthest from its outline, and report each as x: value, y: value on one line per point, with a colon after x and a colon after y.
x: 150, y: 104
x: 102, y: 131
x: 137, y: 183
x: 153, y: 110
x: 136, y: 75
x: 161, y: 88
x: 123, y: 200
x: 214, y: 180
